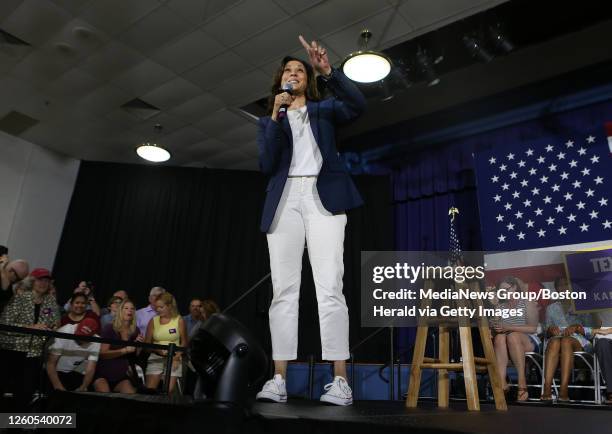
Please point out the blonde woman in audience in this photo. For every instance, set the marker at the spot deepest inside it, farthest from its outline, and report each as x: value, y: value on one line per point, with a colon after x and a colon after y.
x: 168, y: 327
x: 113, y: 370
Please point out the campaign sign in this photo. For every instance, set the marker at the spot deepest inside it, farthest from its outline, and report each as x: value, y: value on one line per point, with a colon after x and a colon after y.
x: 591, y: 272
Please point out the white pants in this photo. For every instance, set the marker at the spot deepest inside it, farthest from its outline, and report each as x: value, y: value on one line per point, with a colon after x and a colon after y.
x: 300, y: 217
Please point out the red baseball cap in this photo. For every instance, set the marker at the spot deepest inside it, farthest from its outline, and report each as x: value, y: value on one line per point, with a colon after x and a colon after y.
x: 41, y: 273
x: 87, y: 327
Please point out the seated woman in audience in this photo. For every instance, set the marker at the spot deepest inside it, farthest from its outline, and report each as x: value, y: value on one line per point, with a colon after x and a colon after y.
x: 567, y: 332
x: 113, y: 306
x: 71, y: 364
x: 603, y: 349
x: 20, y: 356
x: 168, y: 327
x: 515, y: 336
x: 78, y: 311
x: 112, y: 374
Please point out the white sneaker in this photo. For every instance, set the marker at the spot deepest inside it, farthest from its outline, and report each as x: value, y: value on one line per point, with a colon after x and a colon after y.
x: 338, y: 392
x: 274, y: 390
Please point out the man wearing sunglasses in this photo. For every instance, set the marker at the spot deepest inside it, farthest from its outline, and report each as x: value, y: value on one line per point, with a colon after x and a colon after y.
x: 11, y: 272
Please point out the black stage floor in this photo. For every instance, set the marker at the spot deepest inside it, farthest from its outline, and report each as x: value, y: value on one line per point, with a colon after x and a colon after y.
x: 112, y: 413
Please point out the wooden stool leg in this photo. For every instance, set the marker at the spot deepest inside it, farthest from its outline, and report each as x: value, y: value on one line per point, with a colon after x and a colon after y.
x: 415, y: 370
x: 487, y: 345
x: 469, y: 368
x: 443, y: 389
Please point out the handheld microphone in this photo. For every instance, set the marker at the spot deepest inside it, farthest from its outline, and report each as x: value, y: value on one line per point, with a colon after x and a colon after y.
x: 282, y: 111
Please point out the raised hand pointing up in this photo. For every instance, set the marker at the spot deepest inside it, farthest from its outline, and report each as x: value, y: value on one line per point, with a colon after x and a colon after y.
x: 317, y: 56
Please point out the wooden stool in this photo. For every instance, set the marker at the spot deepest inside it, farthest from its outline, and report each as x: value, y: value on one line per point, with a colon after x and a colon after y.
x: 469, y: 366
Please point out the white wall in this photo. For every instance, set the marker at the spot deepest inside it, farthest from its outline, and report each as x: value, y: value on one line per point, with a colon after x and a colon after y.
x: 36, y: 186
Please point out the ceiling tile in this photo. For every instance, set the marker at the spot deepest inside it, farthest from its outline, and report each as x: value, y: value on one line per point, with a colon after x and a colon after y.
x: 197, y: 107
x: 250, y: 148
x: 245, y: 19
x: 76, y: 39
x: 198, y: 11
x: 72, y: 85
x: 272, y: 43
x: 423, y: 15
x: 143, y: 77
x: 330, y: 16
x: 188, y: 51
x: 103, y: 100
x: 7, y: 7
x: 110, y: 60
x: 223, y: 67
x: 168, y: 122
x: 388, y: 25
x: 159, y: 27
x: 244, y: 89
x: 41, y: 67
x: 183, y: 137
x: 219, y: 122
x: 207, y: 147
x: 172, y: 93
x: 293, y: 7
x: 114, y: 16
x: 122, y: 118
x: 228, y: 158
x: 72, y: 6
x: 239, y: 136
x: 36, y: 21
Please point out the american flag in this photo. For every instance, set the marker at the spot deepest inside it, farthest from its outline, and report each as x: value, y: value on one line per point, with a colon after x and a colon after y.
x: 546, y: 193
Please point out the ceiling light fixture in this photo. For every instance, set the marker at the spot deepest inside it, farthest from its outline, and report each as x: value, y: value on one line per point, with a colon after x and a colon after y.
x: 366, y: 66
x: 502, y: 43
x: 474, y: 46
x: 426, y: 66
x: 153, y: 152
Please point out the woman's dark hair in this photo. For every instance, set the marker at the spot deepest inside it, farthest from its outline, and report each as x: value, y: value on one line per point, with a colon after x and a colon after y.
x: 511, y: 280
x: 312, y: 92
x: 558, y: 281
x: 78, y: 295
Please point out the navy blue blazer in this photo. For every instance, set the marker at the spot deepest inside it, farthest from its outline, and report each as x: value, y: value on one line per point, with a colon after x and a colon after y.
x: 275, y: 141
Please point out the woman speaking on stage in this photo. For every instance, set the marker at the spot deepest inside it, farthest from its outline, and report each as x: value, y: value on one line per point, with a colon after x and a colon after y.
x: 307, y: 195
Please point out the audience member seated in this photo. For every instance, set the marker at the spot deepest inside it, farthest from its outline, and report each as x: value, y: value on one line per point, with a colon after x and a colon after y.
x: 113, y: 371
x: 78, y: 312
x: 11, y: 272
x: 71, y: 364
x: 168, y: 327
x: 567, y: 332
x: 603, y: 349
x: 515, y: 336
x: 144, y: 315
x: 209, y: 308
x: 194, y: 316
x: 123, y: 295
x: 113, y: 306
x: 92, y: 304
x: 20, y: 359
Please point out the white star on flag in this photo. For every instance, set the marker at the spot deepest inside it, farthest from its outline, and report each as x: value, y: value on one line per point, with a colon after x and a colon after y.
x: 590, y: 139
x: 584, y: 227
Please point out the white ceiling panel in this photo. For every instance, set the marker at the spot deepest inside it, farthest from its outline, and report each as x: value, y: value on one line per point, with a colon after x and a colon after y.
x: 159, y: 27
x: 188, y: 51
x: 219, y: 122
x: 35, y: 21
x: 172, y: 93
x: 239, y: 136
x: 72, y: 85
x: 103, y: 99
x: 197, y: 107
x: 76, y: 38
x: 199, y: 11
x: 146, y: 129
x: 114, y: 16
x: 272, y: 43
x: 226, y: 158
x: 293, y: 7
x: 143, y: 77
x: 110, y: 60
x: 244, y: 89
x: 181, y: 138
x: 388, y: 25
x: 207, y: 147
x: 330, y: 16
x: 250, y: 148
x: 245, y: 19
x: 222, y: 67
x: 40, y: 67
x: 122, y: 118
x: 72, y: 6
x: 7, y: 7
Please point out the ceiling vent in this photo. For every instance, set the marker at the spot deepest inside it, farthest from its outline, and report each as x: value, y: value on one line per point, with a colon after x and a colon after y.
x: 16, y: 123
x: 141, y: 109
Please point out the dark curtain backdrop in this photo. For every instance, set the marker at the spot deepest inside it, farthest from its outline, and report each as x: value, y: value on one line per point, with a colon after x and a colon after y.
x: 196, y: 233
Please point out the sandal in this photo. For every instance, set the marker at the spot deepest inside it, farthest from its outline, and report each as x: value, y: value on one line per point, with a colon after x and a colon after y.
x: 547, y: 399
x: 522, y: 395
